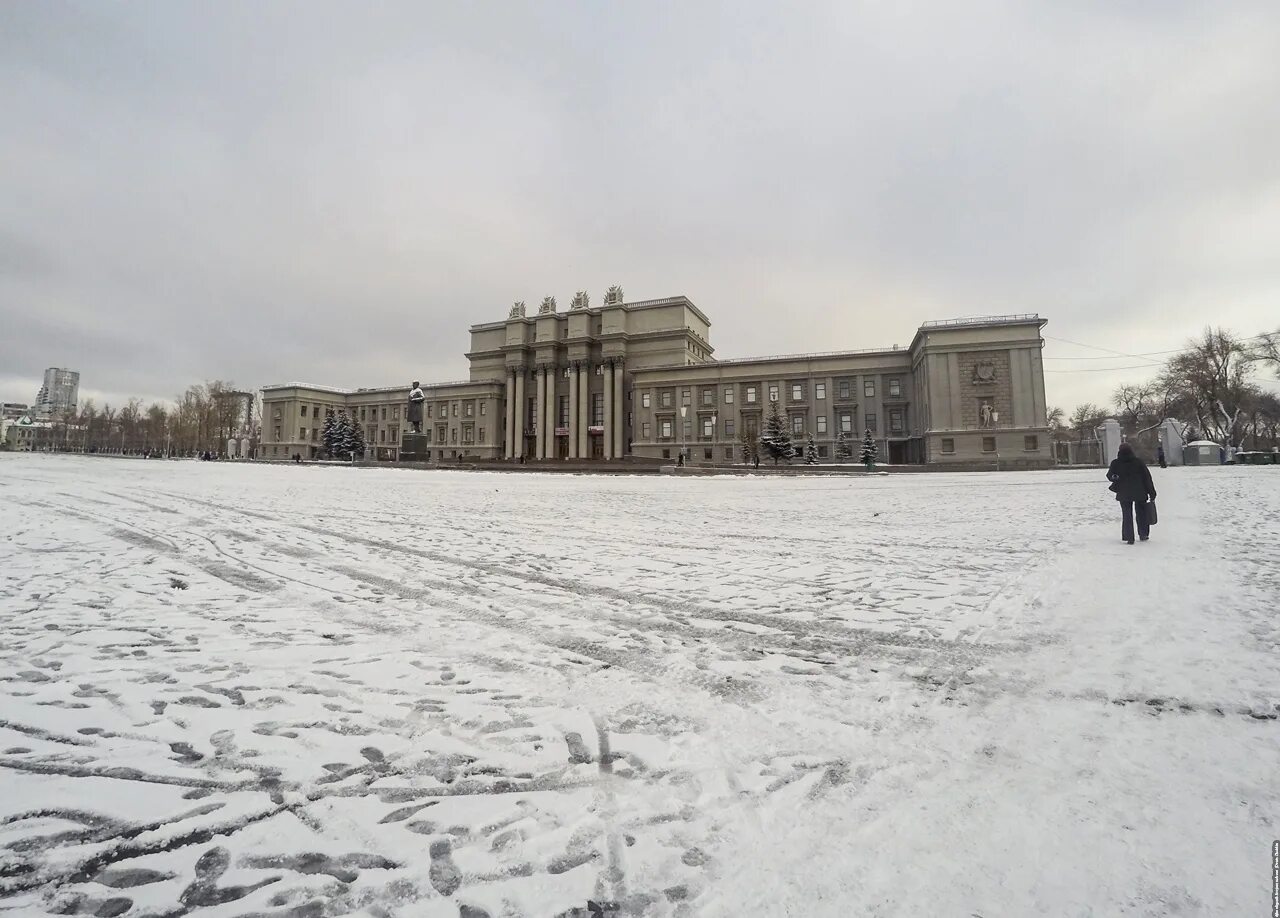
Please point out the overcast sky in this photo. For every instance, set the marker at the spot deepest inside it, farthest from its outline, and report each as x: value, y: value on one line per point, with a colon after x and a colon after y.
x: 264, y: 192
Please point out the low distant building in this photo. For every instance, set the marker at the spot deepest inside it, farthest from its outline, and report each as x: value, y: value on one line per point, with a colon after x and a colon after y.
x: 641, y: 380
x: 28, y: 434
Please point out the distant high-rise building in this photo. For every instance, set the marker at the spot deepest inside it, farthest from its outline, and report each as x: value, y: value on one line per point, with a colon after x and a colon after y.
x: 61, y: 390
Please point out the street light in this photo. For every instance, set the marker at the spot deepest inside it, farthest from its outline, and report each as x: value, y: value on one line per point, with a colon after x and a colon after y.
x: 684, y: 409
x: 713, y: 436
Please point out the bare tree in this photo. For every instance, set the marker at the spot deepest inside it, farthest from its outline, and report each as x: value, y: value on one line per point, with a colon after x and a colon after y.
x: 1212, y: 376
x: 1085, y: 418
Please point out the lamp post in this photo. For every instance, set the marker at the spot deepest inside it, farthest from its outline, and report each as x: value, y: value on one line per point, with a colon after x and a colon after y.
x: 995, y: 423
x: 713, y: 436
x: 684, y: 409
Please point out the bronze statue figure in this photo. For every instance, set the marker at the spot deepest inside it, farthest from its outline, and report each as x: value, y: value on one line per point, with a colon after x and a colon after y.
x: 416, y: 398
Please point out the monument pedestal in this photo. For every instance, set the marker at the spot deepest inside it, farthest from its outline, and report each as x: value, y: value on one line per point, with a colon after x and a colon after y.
x: 414, y: 447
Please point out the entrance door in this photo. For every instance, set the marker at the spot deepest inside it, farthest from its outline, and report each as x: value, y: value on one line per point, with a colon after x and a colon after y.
x: 897, y: 452
x: 597, y: 446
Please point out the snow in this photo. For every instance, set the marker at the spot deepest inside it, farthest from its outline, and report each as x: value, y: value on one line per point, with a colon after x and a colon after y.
x: 242, y: 689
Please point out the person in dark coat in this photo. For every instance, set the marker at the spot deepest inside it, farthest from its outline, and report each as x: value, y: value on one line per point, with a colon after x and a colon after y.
x: 1131, y: 481
x: 1160, y: 457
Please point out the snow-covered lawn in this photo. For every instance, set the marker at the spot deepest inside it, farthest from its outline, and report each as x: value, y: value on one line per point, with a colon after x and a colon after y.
x: 295, y: 691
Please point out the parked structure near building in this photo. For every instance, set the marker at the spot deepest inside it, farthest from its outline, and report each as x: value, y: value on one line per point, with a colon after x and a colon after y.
x: 59, y: 392
x: 641, y: 380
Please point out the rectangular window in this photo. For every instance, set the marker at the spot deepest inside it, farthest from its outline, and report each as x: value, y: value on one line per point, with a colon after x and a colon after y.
x: 480, y: 435
x: 728, y: 395
x: 427, y: 434
x: 315, y: 411
x: 304, y: 411
x: 822, y: 452
x: 708, y: 396
x: 468, y: 409
x: 1031, y: 444
x: 455, y: 409
x: 870, y: 420
x: 842, y: 389
x: 773, y: 393
x: 276, y: 430
x: 821, y: 422
x: 468, y: 435
x: 752, y: 427
x: 362, y: 414
x: 453, y: 435
x: 482, y: 404
x: 666, y: 454
x: 382, y: 435
x: 706, y: 454
x: 820, y: 391
x: 896, y: 420
x: 728, y: 428
x: 372, y: 434
x: 708, y: 428
x: 728, y: 454
x: 846, y: 422
x: 597, y: 409
x: 645, y: 430
x: 644, y: 399
x: 563, y: 411
x: 429, y: 407
x: 395, y: 412
x: 797, y: 392
x: 988, y: 444
x: 384, y: 412
x: 686, y: 397
x: 751, y: 395
x: 394, y: 436
x: 686, y: 429
x: 314, y: 432
x: 664, y: 430
x: 666, y: 398
x: 895, y: 387
x: 797, y: 423
x: 869, y: 388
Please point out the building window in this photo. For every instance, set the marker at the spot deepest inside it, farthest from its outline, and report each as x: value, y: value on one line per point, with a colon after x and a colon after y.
x: 728, y: 454
x: 372, y: 434
x: 394, y: 436
x: 686, y: 430
x: 948, y: 445
x: 728, y: 428
x: 797, y: 392
x: 751, y: 428
x: 1031, y: 443
x: 896, y: 420
x: 797, y: 423
x: 773, y: 393
x: 895, y: 387
x: 597, y: 409
x: 384, y: 412
x: 869, y: 388
x: 480, y: 435
x: 429, y: 407
x: 455, y: 409
x: 820, y: 391
x: 304, y: 411
x: 664, y: 429
x: 382, y: 435
x: 276, y: 414
x: 563, y: 411
x: 706, y: 454
x: 468, y: 409
x: 666, y: 454
x: 645, y: 430
x: 314, y: 432
x: 728, y: 395
x: 686, y: 397
x: 315, y: 411
x: 751, y: 395
x: 708, y: 427
x: 276, y: 431
x: 453, y: 435
x: 842, y: 388
x: 988, y: 444
x: 468, y: 435
x: 395, y: 412
x: 644, y: 399
x: 846, y: 422
x: 666, y: 398
x: 871, y: 421
x: 302, y: 433
x: 822, y: 452
x: 821, y: 422
x: 708, y: 396
x: 362, y: 414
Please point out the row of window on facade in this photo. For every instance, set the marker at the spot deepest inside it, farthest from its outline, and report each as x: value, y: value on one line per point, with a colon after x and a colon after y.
x: 470, y: 435
x: 1030, y: 443
x: 380, y: 412
x: 798, y: 392
x: 445, y: 409
x: 844, y: 423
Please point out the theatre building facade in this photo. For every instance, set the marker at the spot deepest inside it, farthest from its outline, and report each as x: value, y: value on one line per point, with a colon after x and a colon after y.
x: 641, y: 380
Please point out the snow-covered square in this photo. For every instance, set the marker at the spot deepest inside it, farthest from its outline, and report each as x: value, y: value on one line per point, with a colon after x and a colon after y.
x: 274, y: 690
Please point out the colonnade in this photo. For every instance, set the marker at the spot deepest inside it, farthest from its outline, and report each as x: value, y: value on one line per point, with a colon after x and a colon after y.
x: 577, y: 379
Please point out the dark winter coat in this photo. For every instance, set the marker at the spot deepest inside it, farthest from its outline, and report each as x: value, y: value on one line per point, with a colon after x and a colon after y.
x: 1131, y: 479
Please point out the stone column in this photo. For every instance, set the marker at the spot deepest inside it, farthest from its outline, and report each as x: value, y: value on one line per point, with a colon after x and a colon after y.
x: 584, y: 410
x: 608, y: 409
x: 540, y: 415
x: 509, y: 443
x: 549, y: 431
x: 518, y: 427
x: 619, y: 413
x: 574, y: 417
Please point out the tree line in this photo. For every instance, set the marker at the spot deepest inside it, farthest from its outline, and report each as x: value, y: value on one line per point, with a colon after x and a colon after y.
x: 1210, y: 387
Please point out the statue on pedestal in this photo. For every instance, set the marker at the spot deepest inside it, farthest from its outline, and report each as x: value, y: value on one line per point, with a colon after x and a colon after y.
x: 416, y: 398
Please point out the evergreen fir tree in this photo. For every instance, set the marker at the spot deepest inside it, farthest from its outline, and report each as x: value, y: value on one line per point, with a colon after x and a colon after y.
x: 748, y: 447
x: 328, y: 432
x: 869, y: 450
x: 844, y: 448
x: 810, y: 451
x: 776, y: 439
x: 342, y: 437
x: 355, y: 442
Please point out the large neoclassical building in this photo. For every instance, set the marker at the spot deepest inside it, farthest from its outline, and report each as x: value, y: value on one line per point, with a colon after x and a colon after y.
x: 642, y: 380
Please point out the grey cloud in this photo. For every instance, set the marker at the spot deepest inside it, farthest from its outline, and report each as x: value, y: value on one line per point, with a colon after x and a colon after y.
x: 331, y: 192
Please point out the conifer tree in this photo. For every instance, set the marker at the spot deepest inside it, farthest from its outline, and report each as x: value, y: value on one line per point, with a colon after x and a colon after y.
x: 329, y: 432
x: 748, y: 447
x: 776, y: 439
x: 869, y: 450
x: 844, y: 447
x: 810, y: 451
x: 355, y: 442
